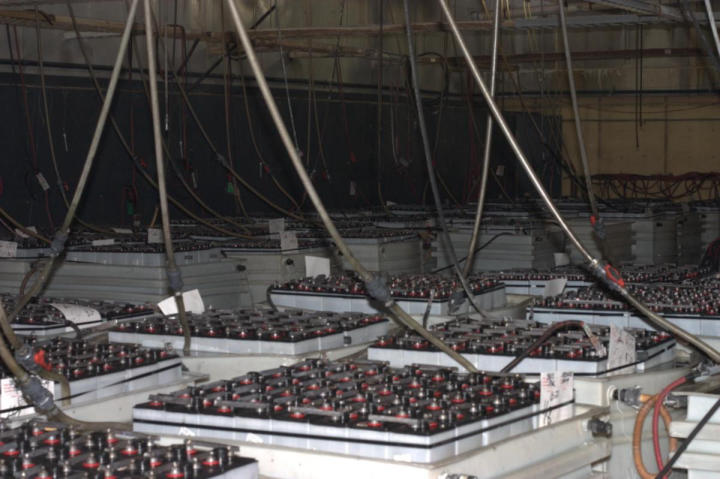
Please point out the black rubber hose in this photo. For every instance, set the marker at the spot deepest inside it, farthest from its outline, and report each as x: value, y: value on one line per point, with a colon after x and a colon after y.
x: 683, y: 445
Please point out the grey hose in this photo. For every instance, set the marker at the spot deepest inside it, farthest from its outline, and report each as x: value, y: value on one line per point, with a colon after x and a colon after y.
x: 173, y: 273
x: 488, y: 144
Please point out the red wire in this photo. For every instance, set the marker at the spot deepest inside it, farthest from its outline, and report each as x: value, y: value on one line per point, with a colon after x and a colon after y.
x: 656, y: 419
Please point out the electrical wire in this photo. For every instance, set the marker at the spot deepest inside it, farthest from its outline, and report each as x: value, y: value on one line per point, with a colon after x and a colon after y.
x: 51, y: 142
x: 549, y: 332
x: 659, y: 400
x: 683, y: 445
x: 479, y: 248
x: 373, y: 283
x: 263, y: 164
x: 648, y: 402
x: 60, y: 237
x: 179, y: 174
x: 128, y: 149
x: 576, y: 114
x: 608, y: 274
x: 429, y: 163
x: 22, y: 228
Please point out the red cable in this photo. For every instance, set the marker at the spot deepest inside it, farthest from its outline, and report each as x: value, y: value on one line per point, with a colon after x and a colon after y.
x: 660, y: 398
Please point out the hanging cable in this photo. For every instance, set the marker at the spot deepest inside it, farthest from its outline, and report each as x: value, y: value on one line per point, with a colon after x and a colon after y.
x: 22, y: 228
x: 606, y: 273
x: 375, y: 285
x: 486, y: 151
x: 51, y: 142
x: 263, y: 164
x: 595, y: 217
x: 428, y: 161
x: 174, y: 275
x: 659, y: 400
x: 683, y: 445
x: 137, y: 164
x: 31, y: 387
x: 58, y: 243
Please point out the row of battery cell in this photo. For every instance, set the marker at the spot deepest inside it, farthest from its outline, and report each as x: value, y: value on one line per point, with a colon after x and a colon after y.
x: 41, y: 450
x: 363, y: 408
x: 490, y: 344
x: 257, y: 331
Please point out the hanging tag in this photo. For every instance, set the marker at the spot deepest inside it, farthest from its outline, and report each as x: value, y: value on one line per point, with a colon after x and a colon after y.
x: 276, y: 225
x: 288, y: 241
x: 555, y: 388
x: 500, y: 170
x: 154, y: 235
x: 78, y: 314
x: 43, y: 182
x: 353, y: 188
x: 316, y: 265
x: 8, y: 249
x: 621, y: 351
x: 103, y: 242
x: 554, y: 287
x: 192, y: 300
x: 11, y: 397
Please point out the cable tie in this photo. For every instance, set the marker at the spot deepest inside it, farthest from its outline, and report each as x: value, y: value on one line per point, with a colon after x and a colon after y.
x: 175, y: 280
x: 58, y: 243
x: 222, y: 160
x: 598, y: 226
x: 379, y: 291
x: 37, y: 395
x: 25, y: 358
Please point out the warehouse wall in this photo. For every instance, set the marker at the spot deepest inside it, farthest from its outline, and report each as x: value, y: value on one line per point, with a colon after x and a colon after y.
x: 346, y: 173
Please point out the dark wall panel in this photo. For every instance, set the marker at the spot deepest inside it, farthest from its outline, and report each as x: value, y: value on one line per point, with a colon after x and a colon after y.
x: 348, y: 136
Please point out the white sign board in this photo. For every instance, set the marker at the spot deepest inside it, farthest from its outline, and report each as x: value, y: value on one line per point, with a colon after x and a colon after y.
x: 555, y: 388
x: 621, y: 351
x: 192, y: 299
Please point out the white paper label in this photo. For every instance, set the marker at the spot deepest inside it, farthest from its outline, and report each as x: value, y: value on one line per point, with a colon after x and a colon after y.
x: 186, y: 432
x: 78, y: 314
x: 621, y: 351
x: 315, y: 266
x: 554, y: 287
x: 253, y: 438
x: 122, y: 231
x: 276, y: 225
x: 103, y: 242
x: 353, y: 188
x: 43, y: 182
x: 154, y: 235
x: 561, y: 259
x: 192, y: 299
x: 20, y: 233
x: 500, y: 170
x: 288, y: 241
x: 555, y: 388
x: 11, y: 397
x: 8, y: 249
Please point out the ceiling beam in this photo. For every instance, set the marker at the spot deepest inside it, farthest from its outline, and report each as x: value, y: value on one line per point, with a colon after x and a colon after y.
x: 643, y: 7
